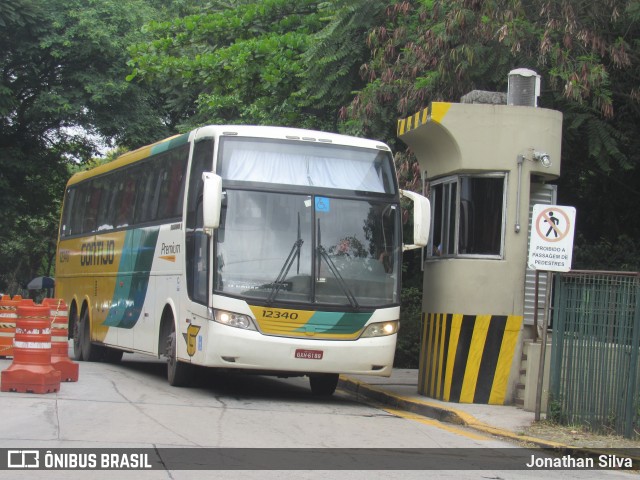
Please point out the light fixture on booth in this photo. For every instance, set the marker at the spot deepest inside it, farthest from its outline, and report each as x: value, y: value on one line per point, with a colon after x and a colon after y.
x: 536, y: 156
x: 543, y: 158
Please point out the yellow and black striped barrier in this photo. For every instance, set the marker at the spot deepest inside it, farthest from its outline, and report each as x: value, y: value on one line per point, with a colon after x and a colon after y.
x: 433, y: 113
x: 467, y: 358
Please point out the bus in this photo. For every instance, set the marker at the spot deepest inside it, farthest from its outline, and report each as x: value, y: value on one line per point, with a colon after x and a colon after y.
x: 270, y: 250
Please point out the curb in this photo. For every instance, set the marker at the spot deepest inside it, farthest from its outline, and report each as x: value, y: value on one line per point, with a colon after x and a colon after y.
x: 365, y: 392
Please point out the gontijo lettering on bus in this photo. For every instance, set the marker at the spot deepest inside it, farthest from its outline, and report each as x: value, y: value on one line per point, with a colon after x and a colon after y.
x: 98, y: 253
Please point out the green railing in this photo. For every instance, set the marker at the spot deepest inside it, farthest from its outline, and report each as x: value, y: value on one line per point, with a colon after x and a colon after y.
x: 594, y: 358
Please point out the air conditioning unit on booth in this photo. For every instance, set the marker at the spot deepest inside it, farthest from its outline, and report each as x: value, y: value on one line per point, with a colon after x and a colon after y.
x: 524, y: 88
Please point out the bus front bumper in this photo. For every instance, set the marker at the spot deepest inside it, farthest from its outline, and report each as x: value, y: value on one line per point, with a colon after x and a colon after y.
x: 230, y: 347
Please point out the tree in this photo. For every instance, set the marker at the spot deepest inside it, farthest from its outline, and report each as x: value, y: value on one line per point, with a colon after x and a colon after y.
x: 335, y: 54
x: 280, y: 62
x: 239, y: 62
x: 62, y: 88
x: 586, y: 53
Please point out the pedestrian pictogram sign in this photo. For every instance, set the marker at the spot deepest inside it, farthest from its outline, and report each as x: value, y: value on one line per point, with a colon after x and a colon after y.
x: 551, y: 241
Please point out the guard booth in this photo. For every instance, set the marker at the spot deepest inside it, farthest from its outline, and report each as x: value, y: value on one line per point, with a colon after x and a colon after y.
x: 484, y: 166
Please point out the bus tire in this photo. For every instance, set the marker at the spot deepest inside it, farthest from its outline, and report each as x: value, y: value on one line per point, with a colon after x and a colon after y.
x: 323, y: 384
x: 179, y: 374
x: 89, y: 352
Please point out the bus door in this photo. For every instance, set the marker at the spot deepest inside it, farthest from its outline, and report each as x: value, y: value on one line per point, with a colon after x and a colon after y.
x: 198, y: 256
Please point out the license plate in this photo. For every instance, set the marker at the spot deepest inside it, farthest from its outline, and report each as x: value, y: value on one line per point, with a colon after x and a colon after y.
x: 309, y: 354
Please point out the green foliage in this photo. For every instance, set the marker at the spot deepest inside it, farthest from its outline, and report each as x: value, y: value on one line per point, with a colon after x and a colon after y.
x: 336, y: 53
x: 617, y: 254
x: 585, y: 52
x: 17, y: 12
x: 236, y: 63
x: 409, y: 335
x: 62, y: 85
x: 425, y: 52
x: 556, y: 413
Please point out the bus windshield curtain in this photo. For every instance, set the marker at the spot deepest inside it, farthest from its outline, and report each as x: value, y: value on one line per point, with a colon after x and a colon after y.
x: 281, y: 167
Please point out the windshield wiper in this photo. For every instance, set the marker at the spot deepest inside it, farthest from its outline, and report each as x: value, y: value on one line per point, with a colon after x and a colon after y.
x: 322, y: 253
x: 284, y: 271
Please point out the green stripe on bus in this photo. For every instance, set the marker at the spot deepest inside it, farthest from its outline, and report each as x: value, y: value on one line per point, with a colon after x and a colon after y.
x: 168, y: 145
x: 336, y: 322
x: 132, y: 281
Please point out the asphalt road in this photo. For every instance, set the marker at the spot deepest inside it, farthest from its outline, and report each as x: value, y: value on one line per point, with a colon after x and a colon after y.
x: 130, y: 405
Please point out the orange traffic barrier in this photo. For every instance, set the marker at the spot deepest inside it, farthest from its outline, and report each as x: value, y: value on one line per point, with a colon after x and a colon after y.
x: 59, y: 318
x: 8, y: 316
x: 31, y: 370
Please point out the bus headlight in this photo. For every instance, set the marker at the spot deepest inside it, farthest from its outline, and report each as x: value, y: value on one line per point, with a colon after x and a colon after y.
x: 231, y: 319
x: 381, y: 329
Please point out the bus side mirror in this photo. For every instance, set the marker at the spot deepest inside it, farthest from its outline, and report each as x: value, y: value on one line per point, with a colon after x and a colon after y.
x: 421, y: 219
x: 211, y: 200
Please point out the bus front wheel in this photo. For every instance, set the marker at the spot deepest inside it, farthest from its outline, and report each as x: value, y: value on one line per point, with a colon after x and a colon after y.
x: 178, y: 373
x: 323, y: 384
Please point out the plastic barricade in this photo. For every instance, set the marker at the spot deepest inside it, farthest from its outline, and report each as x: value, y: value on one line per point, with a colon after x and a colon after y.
x: 31, y: 370
x: 59, y: 318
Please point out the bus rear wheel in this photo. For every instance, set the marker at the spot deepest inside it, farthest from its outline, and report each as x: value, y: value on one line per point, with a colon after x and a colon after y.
x: 323, y: 384
x: 88, y: 352
x: 74, y: 321
x: 179, y: 374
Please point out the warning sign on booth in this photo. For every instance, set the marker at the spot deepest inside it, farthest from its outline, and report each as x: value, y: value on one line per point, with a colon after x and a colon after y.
x: 551, y: 241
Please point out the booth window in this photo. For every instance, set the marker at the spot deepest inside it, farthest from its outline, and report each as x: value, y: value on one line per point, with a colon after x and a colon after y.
x: 468, y: 216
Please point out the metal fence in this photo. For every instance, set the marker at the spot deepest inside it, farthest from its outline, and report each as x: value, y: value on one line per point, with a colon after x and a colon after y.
x: 594, y: 358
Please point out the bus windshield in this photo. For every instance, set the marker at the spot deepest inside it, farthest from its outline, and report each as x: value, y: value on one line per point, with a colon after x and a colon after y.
x: 308, y: 249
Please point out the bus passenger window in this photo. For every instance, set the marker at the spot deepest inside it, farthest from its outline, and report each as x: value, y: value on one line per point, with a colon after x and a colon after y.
x: 170, y: 193
x: 105, y: 214
x: 79, y: 206
x: 126, y: 200
x: 144, y: 195
x: 69, y: 206
x: 91, y: 209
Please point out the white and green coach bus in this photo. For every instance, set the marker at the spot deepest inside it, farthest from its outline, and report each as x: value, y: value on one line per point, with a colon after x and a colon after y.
x: 266, y: 249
